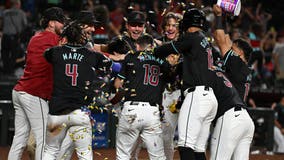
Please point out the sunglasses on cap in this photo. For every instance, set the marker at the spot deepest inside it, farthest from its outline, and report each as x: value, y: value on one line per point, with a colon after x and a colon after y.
x: 136, y: 24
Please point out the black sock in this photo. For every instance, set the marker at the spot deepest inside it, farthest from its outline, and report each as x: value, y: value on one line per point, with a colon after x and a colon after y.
x: 199, y: 156
x: 186, y: 153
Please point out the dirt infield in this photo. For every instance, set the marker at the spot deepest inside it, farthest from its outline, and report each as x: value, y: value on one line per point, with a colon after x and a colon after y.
x: 109, y: 154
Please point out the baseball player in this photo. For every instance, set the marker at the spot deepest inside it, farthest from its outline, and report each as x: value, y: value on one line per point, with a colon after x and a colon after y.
x: 33, y: 90
x: 73, y: 71
x: 200, y: 104
x: 172, y: 92
x: 279, y: 126
x: 87, y: 21
x: 236, y: 144
x: 203, y: 86
x: 170, y: 27
x: 140, y: 117
x: 135, y: 27
x: 235, y: 56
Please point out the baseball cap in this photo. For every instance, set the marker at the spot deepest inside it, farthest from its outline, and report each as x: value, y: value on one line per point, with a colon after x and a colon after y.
x: 54, y: 13
x: 87, y: 17
x: 136, y: 17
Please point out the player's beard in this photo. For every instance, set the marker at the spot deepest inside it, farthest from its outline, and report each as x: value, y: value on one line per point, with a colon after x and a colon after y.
x: 58, y: 30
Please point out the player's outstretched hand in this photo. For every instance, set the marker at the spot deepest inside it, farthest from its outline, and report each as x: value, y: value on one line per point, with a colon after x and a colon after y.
x: 117, y: 57
x: 118, y: 96
x: 173, y: 59
x: 217, y: 10
x: 158, y: 42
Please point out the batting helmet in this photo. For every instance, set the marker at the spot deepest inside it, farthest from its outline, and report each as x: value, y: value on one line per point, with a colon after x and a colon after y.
x: 193, y: 18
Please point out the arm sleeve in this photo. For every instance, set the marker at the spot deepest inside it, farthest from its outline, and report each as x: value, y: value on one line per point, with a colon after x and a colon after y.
x: 102, y: 63
x: 173, y: 47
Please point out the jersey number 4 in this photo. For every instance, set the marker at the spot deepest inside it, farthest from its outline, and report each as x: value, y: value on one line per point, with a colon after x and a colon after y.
x: 151, y: 76
x: 73, y: 73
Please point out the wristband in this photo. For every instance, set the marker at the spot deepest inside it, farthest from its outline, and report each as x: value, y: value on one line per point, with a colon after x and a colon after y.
x: 219, y: 24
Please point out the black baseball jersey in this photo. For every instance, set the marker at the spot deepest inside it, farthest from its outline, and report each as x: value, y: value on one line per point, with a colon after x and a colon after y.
x: 174, y: 76
x: 73, y: 71
x: 226, y: 94
x: 239, y: 73
x: 279, y: 112
x: 197, y: 58
x: 198, y: 68
x: 122, y: 44
x: 143, y: 77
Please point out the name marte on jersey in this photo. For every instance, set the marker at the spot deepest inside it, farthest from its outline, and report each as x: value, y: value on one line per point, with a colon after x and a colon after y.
x: 73, y: 56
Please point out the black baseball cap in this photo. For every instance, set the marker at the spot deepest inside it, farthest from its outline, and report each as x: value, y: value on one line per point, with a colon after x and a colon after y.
x: 136, y: 17
x: 54, y: 13
x: 87, y: 17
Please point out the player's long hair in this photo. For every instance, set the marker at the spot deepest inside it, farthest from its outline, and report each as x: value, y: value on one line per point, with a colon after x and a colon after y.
x: 176, y: 16
x: 74, y: 34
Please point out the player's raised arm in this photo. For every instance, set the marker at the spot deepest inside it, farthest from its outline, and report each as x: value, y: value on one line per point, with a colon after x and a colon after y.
x: 168, y: 48
x: 222, y: 39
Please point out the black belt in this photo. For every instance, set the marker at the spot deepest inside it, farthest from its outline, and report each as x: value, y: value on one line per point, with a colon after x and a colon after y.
x: 137, y: 103
x: 191, y: 89
x: 237, y: 108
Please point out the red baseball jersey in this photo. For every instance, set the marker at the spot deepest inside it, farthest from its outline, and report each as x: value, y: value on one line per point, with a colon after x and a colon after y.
x: 37, y: 79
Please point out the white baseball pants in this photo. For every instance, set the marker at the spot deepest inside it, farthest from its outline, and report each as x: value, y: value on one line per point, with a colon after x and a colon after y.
x: 278, y: 140
x: 79, y: 125
x: 168, y: 125
x: 195, y: 117
x: 142, y: 120
x: 232, y: 136
x: 67, y: 148
x: 30, y: 114
x: 170, y: 122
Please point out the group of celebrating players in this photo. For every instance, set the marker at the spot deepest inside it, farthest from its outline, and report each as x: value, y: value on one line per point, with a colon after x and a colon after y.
x: 160, y: 84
